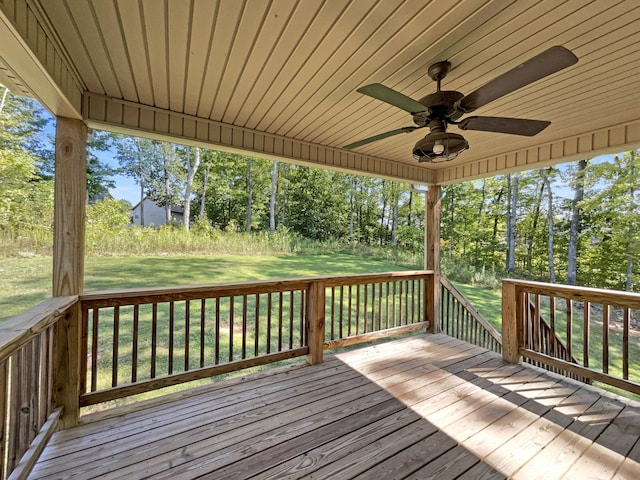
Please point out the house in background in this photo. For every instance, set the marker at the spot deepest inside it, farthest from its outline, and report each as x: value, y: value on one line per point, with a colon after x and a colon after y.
x: 149, y: 214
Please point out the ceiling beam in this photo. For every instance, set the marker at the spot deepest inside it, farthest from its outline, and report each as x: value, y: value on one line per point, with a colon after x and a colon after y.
x: 106, y: 113
x: 616, y: 139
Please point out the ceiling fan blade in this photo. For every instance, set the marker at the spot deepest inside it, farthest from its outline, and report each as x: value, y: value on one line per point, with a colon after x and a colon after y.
x: 514, y: 126
x: 546, y: 63
x: 380, y: 136
x: 389, y: 95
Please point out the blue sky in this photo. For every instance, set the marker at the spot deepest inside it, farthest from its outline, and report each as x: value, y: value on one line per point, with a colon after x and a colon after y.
x: 126, y: 187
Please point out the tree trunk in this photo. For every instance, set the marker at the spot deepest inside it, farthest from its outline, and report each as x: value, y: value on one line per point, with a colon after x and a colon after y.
x: 631, y: 232
x: 167, y: 191
x: 249, y: 196
x: 550, y: 226
x: 578, y: 196
x: 283, y: 204
x: 205, y: 182
x: 534, y: 226
x: 192, y: 168
x: 476, y: 253
x: 4, y: 98
x: 512, y: 181
x: 272, y: 199
x: 351, y: 215
x: 141, y: 203
x: 394, y: 214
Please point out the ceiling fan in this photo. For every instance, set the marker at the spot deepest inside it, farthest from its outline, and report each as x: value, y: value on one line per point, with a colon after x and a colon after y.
x: 442, y: 108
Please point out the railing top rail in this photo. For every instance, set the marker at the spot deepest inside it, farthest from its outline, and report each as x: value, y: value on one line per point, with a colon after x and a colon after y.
x: 17, y: 331
x: 338, y: 280
x: 596, y: 295
x: 155, y: 294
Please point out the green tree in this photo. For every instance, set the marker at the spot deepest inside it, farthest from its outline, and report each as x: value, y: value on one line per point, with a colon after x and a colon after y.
x: 27, y: 197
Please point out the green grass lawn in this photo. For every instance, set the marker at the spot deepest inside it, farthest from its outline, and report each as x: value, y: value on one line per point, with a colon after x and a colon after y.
x: 24, y: 282
x: 487, y: 301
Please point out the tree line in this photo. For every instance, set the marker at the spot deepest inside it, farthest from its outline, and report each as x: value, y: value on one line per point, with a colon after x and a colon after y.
x: 573, y: 223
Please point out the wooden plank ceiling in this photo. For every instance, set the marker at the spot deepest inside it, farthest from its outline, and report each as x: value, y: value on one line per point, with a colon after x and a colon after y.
x: 279, y: 78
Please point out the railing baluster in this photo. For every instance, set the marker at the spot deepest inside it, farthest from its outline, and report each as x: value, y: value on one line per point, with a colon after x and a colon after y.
x: 115, y: 352
x: 269, y: 307
x: 349, y: 310
x: 552, y: 326
x: 256, y: 326
x: 394, y: 284
x: 380, y: 306
x: 187, y: 333
x: 387, y: 305
x: 537, y: 330
x: 5, y: 402
x: 134, y: 346
x: 605, y: 337
x: 43, y: 378
x: 373, y: 307
x: 341, y: 316
x: 154, y: 338
x: 217, y: 333
x: 84, y: 350
x: 203, y: 309
x: 400, y: 299
x: 291, y: 320
x: 585, y: 331
x: 303, y: 335
x: 244, y: 326
x: 14, y: 402
x: 569, y: 309
x: 232, y: 301
x: 171, y: 337
x: 94, y: 350
x: 357, y: 309
x: 333, y: 312
x: 625, y: 343
x: 366, y: 304
x: 280, y: 296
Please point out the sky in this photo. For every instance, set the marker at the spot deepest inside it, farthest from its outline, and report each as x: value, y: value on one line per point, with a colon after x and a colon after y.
x: 126, y: 188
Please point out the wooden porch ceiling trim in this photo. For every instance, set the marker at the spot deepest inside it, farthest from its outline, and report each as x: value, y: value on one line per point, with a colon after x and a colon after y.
x: 610, y: 140
x: 102, y: 112
x: 32, y: 64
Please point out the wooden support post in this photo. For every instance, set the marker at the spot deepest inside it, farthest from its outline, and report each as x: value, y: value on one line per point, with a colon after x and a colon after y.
x: 68, y: 260
x: 511, y: 334
x: 432, y: 256
x: 69, y: 206
x: 315, y: 322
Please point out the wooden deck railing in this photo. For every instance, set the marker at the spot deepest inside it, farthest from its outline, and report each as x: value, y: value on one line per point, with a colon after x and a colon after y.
x: 594, y: 325
x: 364, y: 307
x: 540, y: 336
x: 459, y: 319
x: 29, y: 409
x: 73, y: 351
x: 135, y: 341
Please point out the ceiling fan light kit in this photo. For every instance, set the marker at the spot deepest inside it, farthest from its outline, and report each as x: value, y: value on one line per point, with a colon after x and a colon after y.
x: 439, y: 145
x: 442, y: 108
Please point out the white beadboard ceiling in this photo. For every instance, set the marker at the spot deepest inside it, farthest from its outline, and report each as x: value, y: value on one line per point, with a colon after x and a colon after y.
x: 279, y: 77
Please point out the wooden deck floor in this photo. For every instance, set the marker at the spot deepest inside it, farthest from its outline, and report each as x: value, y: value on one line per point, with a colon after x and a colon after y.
x: 426, y: 406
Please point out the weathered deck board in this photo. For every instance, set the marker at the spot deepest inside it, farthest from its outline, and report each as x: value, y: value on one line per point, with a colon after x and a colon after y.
x: 422, y: 407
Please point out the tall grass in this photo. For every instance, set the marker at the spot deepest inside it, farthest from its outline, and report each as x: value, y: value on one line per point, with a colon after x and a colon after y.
x: 175, y: 240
